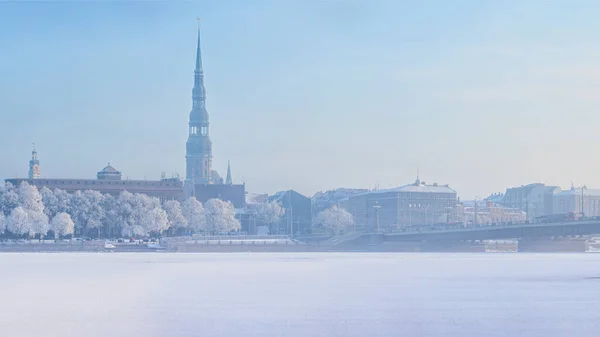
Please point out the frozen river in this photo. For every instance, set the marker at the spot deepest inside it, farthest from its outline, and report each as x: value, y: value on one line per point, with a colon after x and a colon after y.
x: 299, y: 295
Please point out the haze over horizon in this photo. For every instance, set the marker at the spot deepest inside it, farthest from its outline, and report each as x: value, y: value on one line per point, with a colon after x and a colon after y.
x: 307, y: 95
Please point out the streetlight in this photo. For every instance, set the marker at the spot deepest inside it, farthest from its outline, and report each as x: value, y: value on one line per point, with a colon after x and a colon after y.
x: 377, y: 207
x: 582, y: 189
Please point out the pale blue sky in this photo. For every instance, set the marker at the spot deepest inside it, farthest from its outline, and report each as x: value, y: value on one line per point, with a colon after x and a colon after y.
x: 309, y: 95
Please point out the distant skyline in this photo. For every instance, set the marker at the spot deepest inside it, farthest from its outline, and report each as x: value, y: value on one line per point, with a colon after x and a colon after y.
x: 307, y: 95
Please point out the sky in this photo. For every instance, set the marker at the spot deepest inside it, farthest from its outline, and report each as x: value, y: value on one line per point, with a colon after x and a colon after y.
x: 305, y: 94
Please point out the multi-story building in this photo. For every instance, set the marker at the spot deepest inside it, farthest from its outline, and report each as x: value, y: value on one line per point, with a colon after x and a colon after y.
x: 408, y: 205
x: 298, y: 212
x: 534, y: 199
x: 487, y: 212
x: 108, y: 181
x: 577, y: 200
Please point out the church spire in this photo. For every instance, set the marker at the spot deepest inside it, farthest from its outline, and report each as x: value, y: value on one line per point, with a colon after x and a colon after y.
x: 228, y: 180
x: 198, y: 52
x: 199, y: 147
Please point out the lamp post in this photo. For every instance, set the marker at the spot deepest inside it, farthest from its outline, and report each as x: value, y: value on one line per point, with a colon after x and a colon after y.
x: 582, y: 189
x: 377, y: 207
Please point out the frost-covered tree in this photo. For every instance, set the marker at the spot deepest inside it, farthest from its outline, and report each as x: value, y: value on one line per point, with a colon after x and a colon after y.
x: 95, y: 211
x: 63, y: 201
x: 220, y: 217
x: 38, y: 223
x: 18, y: 222
x: 193, y: 212
x: 9, y: 198
x: 334, y: 219
x: 140, y: 215
x: 50, y: 202
x: 86, y: 211
x: 2, y: 223
x: 270, y: 213
x: 55, y: 202
x: 79, y: 209
x: 30, y: 198
x: 155, y: 221
x: 111, y: 220
x: 62, y: 225
x: 174, y: 214
x: 124, y: 210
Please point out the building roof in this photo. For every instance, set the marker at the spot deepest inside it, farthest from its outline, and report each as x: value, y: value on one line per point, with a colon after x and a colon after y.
x: 330, y: 197
x: 420, y: 188
x: 256, y: 198
x: 109, y: 169
x: 577, y: 192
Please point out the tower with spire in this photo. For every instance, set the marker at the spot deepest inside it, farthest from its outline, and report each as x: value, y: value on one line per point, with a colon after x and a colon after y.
x: 34, y: 165
x: 198, y: 156
x: 228, y: 180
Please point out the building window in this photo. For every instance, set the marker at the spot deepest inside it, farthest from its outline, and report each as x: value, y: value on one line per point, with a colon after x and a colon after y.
x: 205, y: 130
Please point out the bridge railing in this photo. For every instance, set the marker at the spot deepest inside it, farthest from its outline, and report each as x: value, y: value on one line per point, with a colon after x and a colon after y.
x: 466, y: 228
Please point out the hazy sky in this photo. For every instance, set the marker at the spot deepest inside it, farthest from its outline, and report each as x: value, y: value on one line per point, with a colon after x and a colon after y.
x: 309, y: 95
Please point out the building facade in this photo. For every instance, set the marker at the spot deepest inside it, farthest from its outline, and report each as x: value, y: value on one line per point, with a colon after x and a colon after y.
x: 581, y: 201
x: 298, y: 212
x: 109, y: 182
x: 409, y: 205
x: 488, y: 213
x: 534, y: 199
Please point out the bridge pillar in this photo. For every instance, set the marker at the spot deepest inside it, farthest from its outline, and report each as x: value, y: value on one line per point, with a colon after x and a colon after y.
x: 550, y: 245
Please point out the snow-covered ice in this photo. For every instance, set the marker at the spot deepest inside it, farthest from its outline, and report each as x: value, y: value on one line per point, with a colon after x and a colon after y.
x: 299, y: 295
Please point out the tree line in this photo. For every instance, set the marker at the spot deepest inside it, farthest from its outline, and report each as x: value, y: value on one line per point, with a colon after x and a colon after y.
x: 26, y: 211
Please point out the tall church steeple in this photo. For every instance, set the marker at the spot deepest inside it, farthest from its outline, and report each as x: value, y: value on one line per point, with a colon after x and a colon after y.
x: 228, y: 180
x: 199, y: 147
x: 34, y: 165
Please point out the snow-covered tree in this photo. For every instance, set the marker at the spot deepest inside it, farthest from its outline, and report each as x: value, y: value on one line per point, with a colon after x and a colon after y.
x: 9, y: 198
x: 270, y: 213
x: 2, y: 223
x: 79, y: 209
x: 193, y: 212
x: 174, y: 214
x: 86, y: 211
x: 334, y: 219
x: 62, y: 225
x: 111, y: 220
x: 50, y: 202
x: 155, y: 221
x: 39, y: 223
x: 18, y: 222
x: 95, y: 212
x: 55, y: 202
x: 30, y: 198
x: 140, y: 214
x: 220, y: 217
x: 63, y: 201
x: 124, y: 210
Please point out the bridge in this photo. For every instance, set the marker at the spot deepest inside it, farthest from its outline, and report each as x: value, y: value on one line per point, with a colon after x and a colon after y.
x: 499, y: 232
